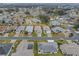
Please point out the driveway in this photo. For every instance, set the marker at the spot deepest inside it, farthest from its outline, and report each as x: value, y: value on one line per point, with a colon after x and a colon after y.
x: 13, y: 41
x: 22, y: 49
x: 6, y: 34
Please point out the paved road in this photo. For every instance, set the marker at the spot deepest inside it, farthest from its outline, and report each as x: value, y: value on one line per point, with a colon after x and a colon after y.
x: 5, y: 37
x: 76, y: 37
x: 13, y: 41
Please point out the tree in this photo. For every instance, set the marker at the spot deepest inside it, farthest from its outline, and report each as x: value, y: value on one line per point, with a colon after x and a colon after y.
x: 10, y: 10
x: 71, y: 34
x: 59, y: 12
x: 43, y: 18
x: 60, y: 42
x: 25, y: 32
x: 76, y: 26
x: 3, y: 21
x: 27, y: 13
x: 17, y: 9
x: 1, y: 11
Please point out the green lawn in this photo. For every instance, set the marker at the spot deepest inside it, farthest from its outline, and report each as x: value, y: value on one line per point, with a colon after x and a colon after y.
x: 37, y: 40
x: 11, y: 34
x: 44, y: 34
x: 15, y: 45
x: 35, y: 49
x: 34, y: 34
x: 60, y: 42
x: 5, y: 41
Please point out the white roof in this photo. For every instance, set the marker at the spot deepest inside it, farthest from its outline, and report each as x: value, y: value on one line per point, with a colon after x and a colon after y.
x: 46, y: 28
x: 58, y: 29
x: 37, y: 28
x: 48, y: 31
x: 55, y: 23
x: 50, y: 40
x: 20, y: 28
x: 35, y: 20
x: 29, y: 28
x: 77, y: 31
x: 61, y: 20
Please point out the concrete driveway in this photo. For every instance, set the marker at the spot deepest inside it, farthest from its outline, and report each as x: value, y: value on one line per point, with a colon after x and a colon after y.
x: 22, y: 49
x: 6, y: 34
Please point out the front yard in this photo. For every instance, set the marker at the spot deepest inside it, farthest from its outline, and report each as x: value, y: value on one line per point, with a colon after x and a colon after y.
x: 11, y: 34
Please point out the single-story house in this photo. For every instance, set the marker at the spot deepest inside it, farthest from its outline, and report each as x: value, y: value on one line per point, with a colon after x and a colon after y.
x: 29, y: 29
x: 21, y: 20
x: 57, y: 29
x: 47, y: 30
x: 10, y: 29
x: 50, y: 40
x: 35, y: 20
x: 70, y: 49
x: 38, y: 30
x: 77, y: 31
x: 75, y: 36
x: 5, y: 49
x: 61, y: 20
x: 46, y: 48
x: 3, y: 29
x: 28, y: 21
x: 65, y: 16
x: 6, y: 19
x: 55, y: 23
x: 51, y: 18
x: 68, y: 33
x: 19, y: 29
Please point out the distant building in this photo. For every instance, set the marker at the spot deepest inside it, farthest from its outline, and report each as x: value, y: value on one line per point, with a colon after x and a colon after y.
x: 61, y: 20
x: 6, y: 19
x: 37, y: 11
x: 36, y: 20
x: 73, y: 13
x: 55, y: 23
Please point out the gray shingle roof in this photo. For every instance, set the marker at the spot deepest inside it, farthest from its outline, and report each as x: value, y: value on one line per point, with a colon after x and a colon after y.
x: 48, y: 47
x: 19, y: 29
x: 70, y: 49
x: 4, y: 48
